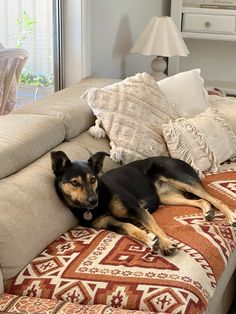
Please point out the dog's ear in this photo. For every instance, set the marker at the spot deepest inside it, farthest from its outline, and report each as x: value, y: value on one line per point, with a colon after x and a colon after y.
x: 59, y: 161
x: 96, y: 161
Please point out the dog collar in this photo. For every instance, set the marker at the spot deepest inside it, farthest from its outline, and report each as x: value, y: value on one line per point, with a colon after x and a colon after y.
x: 88, y: 215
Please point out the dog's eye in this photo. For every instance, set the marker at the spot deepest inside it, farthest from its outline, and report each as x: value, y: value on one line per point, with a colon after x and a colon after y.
x: 93, y: 180
x: 75, y: 183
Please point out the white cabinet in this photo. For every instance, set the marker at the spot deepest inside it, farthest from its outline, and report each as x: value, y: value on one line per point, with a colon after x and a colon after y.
x: 204, y: 24
x: 208, y: 23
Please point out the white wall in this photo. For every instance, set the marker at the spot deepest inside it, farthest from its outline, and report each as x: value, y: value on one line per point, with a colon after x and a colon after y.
x: 109, y: 29
x: 72, y: 41
x: 217, y: 59
x: 115, y: 26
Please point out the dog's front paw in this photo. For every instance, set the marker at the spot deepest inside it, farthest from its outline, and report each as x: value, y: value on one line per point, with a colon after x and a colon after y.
x: 154, y: 243
x: 167, y: 247
x: 209, y: 214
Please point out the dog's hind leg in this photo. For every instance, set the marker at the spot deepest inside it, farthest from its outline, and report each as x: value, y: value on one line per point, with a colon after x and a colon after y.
x: 172, y: 198
x: 110, y: 223
x: 200, y: 191
x: 136, y: 212
x: 226, y: 211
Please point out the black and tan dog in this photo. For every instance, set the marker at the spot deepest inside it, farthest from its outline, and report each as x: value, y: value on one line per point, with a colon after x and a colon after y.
x: 126, y: 196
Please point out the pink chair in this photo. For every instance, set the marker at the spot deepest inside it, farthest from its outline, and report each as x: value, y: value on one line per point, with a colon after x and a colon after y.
x: 12, y: 61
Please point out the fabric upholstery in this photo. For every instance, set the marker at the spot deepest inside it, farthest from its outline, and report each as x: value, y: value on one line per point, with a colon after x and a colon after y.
x: 204, y: 141
x: 92, y: 145
x: 30, y: 305
x: 31, y: 192
x: 24, y: 138
x: 132, y: 113
x: 68, y: 106
x: 91, y: 266
x: 1, y: 283
x: 185, y: 92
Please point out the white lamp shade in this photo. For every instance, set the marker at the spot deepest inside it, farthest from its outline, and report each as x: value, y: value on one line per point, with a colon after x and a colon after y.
x: 161, y: 38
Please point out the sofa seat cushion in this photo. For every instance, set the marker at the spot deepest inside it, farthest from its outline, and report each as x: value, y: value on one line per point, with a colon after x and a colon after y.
x: 92, y: 266
x: 68, y: 106
x: 26, y: 137
x: 29, y: 305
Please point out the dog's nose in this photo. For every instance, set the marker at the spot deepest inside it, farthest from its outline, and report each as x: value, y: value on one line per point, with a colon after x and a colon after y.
x: 92, y: 200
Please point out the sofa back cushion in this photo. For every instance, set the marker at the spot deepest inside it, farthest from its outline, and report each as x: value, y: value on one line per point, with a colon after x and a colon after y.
x: 68, y: 106
x: 26, y: 137
x: 32, y: 215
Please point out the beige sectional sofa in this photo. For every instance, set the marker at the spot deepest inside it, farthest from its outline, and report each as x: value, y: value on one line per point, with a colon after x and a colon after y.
x: 32, y: 218
x: 37, y: 217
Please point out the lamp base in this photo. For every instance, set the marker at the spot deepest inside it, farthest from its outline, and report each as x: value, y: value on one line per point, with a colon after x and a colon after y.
x: 158, y: 66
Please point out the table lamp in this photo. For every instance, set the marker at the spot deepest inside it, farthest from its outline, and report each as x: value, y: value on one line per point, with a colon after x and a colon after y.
x: 160, y: 38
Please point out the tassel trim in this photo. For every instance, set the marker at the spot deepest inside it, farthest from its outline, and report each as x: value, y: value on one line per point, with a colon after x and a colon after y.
x: 116, y: 153
x: 96, y: 130
x: 177, y: 143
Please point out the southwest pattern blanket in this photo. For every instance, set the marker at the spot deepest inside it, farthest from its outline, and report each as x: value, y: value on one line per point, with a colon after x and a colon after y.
x: 91, y: 266
x: 12, y: 304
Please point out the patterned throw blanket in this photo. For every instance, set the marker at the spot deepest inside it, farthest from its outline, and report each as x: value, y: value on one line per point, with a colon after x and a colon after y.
x: 101, y: 267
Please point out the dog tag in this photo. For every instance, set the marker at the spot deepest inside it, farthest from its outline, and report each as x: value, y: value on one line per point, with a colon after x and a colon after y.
x: 88, y: 215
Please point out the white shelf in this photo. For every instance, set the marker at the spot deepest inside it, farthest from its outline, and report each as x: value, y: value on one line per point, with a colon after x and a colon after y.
x: 222, y: 37
x: 197, y: 10
x: 228, y: 87
x: 180, y: 9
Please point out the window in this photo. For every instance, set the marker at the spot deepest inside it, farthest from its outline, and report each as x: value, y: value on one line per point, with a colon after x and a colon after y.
x: 35, y: 26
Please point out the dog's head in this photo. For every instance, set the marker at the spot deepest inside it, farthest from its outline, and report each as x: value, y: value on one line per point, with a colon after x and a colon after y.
x: 77, y: 181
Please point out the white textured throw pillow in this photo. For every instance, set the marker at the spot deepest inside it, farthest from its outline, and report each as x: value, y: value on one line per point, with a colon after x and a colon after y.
x: 226, y: 107
x: 186, y: 93
x: 132, y: 113
x: 204, y: 141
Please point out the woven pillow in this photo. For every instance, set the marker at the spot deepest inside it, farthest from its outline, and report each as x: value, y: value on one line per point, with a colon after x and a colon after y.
x: 204, y: 141
x: 226, y: 107
x: 132, y: 113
